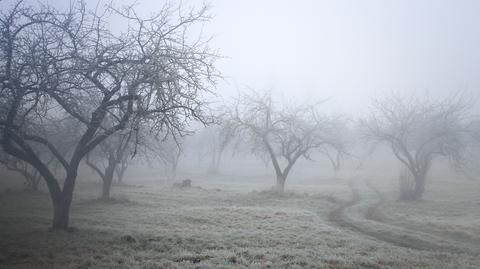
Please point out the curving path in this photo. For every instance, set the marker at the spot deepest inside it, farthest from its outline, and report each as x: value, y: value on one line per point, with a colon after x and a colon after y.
x: 361, y: 214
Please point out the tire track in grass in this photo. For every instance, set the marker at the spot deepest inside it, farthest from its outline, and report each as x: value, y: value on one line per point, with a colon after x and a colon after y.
x: 374, y: 213
x: 394, y: 235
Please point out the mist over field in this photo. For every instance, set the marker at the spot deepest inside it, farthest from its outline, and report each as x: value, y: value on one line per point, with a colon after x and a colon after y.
x: 239, y: 134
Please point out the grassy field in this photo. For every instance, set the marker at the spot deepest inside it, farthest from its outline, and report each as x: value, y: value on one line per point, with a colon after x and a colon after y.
x: 220, y: 224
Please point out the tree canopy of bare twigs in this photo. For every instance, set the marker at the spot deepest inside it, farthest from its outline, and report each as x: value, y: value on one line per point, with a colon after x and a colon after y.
x: 68, y: 64
x: 283, y: 133
x: 418, y: 130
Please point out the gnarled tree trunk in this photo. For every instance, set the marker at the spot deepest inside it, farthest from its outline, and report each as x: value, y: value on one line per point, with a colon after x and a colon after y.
x: 413, y: 186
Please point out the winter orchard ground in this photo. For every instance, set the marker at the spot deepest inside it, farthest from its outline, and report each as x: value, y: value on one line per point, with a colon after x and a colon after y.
x: 218, y: 224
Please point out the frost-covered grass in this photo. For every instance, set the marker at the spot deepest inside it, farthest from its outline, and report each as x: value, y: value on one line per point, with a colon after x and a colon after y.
x: 220, y: 225
x: 450, y: 208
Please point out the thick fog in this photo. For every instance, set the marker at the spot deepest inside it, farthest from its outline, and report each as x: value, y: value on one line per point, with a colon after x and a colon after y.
x: 239, y: 134
x: 348, y: 51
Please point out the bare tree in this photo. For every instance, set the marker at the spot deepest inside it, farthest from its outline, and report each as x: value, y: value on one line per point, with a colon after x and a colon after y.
x: 215, y: 141
x: 168, y: 152
x: 417, y: 130
x: 68, y: 64
x: 470, y: 165
x: 282, y: 134
x: 122, y: 167
x: 110, y: 157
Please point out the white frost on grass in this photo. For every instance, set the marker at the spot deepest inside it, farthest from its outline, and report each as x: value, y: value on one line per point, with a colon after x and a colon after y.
x: 198, y: 228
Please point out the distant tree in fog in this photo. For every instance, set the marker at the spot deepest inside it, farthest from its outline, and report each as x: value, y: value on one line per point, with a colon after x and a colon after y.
x: 470, y: 166
x: 169, y: 152
x: 69, y: 64
x: 111, y: 158
x: 161, y: 151
x: 215, y: 140
x: 418, y: 130
x: 474, y: 130
x: 283, y: 133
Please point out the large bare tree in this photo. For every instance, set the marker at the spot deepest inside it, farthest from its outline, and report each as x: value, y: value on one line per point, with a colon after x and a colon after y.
x: 58, y: 64
x: 418, y: 130
x: 282, y: 133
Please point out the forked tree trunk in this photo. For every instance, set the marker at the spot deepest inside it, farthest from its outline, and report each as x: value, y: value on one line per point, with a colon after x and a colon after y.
x: 107, y: 176
x: 280, y: 186
x: 62, y: 202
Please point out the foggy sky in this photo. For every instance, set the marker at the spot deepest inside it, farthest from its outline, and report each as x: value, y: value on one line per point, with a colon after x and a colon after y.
x: 350, y: 50
x: 347, y: 51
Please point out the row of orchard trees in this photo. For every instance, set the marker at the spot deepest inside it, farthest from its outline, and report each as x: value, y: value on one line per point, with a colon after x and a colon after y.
x: 72, y: 89
x: 418, y: 130
x: 68, y: 78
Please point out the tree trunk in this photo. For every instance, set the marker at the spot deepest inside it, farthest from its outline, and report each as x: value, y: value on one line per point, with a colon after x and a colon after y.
x: 419, y: 187
x: 107, y: 183
x: 63, y: 199
x: 216, y: 165
x: 280, y: 187
x: 61, y: 212
x: 120, y: 174
x: 413, y: 186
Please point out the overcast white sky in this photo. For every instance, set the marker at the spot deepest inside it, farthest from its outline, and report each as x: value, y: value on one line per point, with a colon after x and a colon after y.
x: 348, y: 50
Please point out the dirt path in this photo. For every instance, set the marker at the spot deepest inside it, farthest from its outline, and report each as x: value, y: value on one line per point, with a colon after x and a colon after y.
x: 374, y: 213
x: 361, y: 214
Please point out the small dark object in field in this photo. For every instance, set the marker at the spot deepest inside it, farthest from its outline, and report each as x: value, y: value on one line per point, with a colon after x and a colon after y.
x: 128, y: 238
x: 232, y: 259
x: 186, y: 183
x: 333, y: 199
